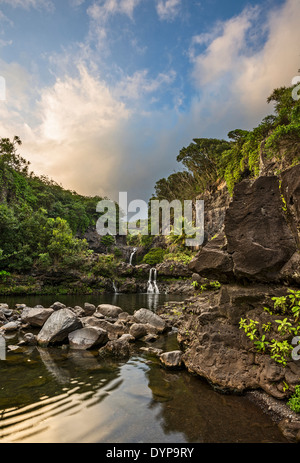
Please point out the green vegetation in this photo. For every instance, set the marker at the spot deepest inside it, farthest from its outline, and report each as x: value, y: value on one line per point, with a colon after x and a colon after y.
x: 209, y: 286
x: 38, y: 218
x: 294, y: 401
x: 41, y: 223
x: 154, y: 256
x: 274, y: 338
x: 177, y: 255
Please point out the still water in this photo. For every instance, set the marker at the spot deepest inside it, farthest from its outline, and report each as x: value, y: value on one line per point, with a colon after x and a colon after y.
x: 66, y: 396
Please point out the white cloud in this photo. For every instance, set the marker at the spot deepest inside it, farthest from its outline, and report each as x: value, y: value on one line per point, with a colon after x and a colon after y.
x: 139, y: 84
x: 100, y: 12
x: 241, y: 76
x: 167, y: 10
x: 75, y: 141
x: 99, y: 139
x: 223, y: 50
x: 26, y: 4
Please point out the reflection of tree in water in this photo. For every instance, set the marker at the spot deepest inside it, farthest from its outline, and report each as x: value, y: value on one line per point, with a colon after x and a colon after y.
x: 190, y: 406
x: 43, y: 383
x: 40, y: 383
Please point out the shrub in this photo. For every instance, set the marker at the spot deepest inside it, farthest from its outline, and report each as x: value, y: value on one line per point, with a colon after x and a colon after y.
x: 155, y: 256
x: 294, y: 401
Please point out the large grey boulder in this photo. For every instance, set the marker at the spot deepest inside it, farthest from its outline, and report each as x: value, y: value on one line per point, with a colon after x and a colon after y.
x: 85, y: 338
x: 58, y: 326
x: 35, y: 316
x: 109, y: 310
x: 145, y: 316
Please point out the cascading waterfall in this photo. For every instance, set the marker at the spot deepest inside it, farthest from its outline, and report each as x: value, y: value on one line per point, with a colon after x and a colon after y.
x: 131, y: 255
x: 152, y: 285
x: 115, y: 288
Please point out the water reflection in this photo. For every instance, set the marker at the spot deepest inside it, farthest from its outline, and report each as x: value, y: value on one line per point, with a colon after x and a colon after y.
x: 63, y: 395
x: 128, y: 302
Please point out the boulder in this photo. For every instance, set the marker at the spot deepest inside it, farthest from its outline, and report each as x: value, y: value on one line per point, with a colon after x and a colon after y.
x: 58, y: 326
x: 57, y: 306
x: 29, y: 339
x: 79, y: 311
x: 145, y: 316
x: 88, y: 337
x: 118, y: 348
x: 113, y: 329
x: 10, y: 326
x: 213, y: 261
x: 138, y: 330
x: 89, y: 309
x: 35, y: 316
x: 4, y: 306
x: 152, y: 350
x: 172, y: 360
x: 127, y: 337
x: 109, y: 310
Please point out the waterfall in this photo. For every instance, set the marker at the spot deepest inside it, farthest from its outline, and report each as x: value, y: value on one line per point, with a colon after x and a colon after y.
x: 131, y: 255
x: 114, y: 286
x: 152, y: 285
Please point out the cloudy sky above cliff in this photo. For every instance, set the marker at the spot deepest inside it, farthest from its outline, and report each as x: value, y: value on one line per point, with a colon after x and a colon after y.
x: 105, y: 93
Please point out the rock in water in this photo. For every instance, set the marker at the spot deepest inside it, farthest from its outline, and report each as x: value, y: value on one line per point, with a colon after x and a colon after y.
x: 118, y: 348
x: 138, y: 330
x: 172, y: 359
x: 35, y: 316
x: 109, y: 310
x: 58, y: 326
x: 10, y: 326
x: 146, y: 316
x: 87, y: 337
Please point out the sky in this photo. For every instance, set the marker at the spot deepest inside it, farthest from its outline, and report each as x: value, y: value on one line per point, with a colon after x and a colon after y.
x: 105, y: 93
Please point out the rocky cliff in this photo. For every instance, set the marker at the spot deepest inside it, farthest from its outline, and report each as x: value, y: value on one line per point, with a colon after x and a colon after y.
x: 255, y: 257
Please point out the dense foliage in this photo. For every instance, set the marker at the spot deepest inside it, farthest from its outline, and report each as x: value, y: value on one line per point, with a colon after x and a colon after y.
x: 39, y: 219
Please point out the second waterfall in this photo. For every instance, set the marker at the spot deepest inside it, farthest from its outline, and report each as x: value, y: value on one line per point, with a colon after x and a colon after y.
x: 152, y: 285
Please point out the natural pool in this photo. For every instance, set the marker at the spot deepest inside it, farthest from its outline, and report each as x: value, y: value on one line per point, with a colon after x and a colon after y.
x: 67, y: 396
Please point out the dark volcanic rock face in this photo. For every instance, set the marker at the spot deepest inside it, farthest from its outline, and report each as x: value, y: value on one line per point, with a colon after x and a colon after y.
x: 261, y: 233
x: 216, y: 349
x: 257, y: 233
x: 290, y: 189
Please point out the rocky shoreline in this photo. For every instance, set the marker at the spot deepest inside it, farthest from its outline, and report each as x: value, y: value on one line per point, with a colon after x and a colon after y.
x: 106, y: 328
x: 215, y: 349
x: 254, y: 255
